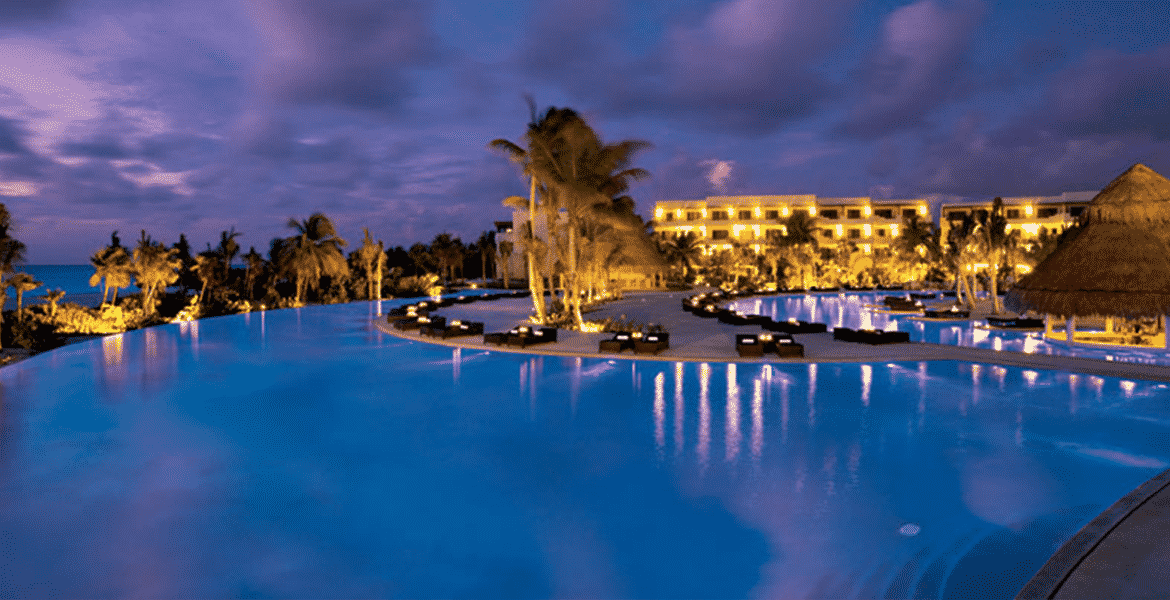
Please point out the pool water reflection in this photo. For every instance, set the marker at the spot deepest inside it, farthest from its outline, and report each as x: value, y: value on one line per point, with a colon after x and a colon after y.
x: 300, y: 453
x: 850, y: 310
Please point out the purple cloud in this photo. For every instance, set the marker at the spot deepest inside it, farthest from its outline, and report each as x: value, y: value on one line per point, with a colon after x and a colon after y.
x: 351, y: 53
x: 916, y: 67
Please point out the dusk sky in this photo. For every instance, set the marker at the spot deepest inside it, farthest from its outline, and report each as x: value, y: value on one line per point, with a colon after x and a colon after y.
x: 196, y: 116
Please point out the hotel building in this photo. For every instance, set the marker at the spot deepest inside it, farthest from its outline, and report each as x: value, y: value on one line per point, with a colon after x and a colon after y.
x: 718, y: 221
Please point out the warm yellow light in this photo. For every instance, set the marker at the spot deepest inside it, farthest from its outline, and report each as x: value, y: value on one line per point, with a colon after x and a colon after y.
x: 703, y: 230
x: 1028, y: 210
x: 736, y: 230
x: 759, y: 212
x: 756, y: 230
x: 868, y: 230
x: 730, y: 210
x: 894, y: 230
x: 783, y: 230
x: 812, y: 211
x: 686, y: 228
x: 658, y: 213
x: 866, y: 247
x: 840, y: 230
x: 868, y: 211
x: 1031, y: 228
x: 1007, y: 227
x: 704, y: 213
x: 756, y: 247
x: 921, y: 210
x: 591, y: 327
x: 1024, y: 268
x: 678, y: 213
x: 726, y: 247
x: 784, y: 211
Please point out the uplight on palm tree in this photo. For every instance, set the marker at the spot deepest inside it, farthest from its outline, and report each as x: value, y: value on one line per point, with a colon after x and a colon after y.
x: 21, y: 283
x: 313, y: 252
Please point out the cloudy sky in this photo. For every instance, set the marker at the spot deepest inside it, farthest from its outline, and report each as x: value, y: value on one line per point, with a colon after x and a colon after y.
x: 199, y: 115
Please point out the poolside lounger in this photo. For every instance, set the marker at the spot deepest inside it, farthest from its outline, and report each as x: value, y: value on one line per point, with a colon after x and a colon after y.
x: 407, y: 324
x: 652, y: 343
x: 786, y: 347
x: 432, y: 325
x: 844, y: 334
x: 914, y: 296
x: 458, y: 328
x: 708, y: 311
x: 620, y: 341
x: 495, y: 338
x: 794, y: 326
x: 952, y: 313
x: 748, y: 345
x: 525, y: 336
x: 877, y: 336
x: 1014, y: 322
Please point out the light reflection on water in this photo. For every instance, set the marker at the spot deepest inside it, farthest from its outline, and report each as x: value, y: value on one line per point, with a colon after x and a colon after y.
x: 245, y: 458
x: 850, y: 310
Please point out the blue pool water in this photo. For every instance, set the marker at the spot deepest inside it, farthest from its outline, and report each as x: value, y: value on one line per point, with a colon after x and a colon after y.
x: 850, y: 310
x: 298, y: 453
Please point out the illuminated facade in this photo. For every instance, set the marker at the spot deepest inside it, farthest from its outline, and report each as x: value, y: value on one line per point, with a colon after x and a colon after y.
x: 720, y: 221
x: 1030, y: 214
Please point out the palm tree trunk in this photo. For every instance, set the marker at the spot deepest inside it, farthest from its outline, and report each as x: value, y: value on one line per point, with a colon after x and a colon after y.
x: 535, y: 284
x: 105, y: 289
x: 578, y: 320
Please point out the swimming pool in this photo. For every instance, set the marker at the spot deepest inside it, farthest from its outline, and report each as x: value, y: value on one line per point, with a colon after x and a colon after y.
x: 849, y: 310
x: 299, y: 453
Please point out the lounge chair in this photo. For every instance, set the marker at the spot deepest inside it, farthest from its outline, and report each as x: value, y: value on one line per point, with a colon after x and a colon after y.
x: 408, y: 324
x: 915, y: 296
x: 794, y: 326
x: 432, y: 325
x: 620, y: 341
x: 748, y: 345
x: 782, y: 344
x: 845, y: 334
x: 459, y: 328
x: 497, y: 338
x: 951, y: 313
x: 525, y: 336
x: 652, y: 343
x: 708, y: 311
x: 877, y: 336
x: 1014, y: 322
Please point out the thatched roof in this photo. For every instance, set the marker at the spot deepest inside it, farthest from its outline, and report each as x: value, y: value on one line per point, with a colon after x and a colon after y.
x: 1139, y: 196
x: 1108, y: 269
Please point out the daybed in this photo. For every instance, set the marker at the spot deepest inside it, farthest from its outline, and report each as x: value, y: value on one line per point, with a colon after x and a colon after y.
x: 458, y: 328
x: 620, y: 341
x: 652, y: 343
x: 748, y: 345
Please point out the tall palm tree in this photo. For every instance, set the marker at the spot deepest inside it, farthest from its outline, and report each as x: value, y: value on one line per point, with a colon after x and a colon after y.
x: 209, y: 271
x: 962, y: 246
x: 155, y: 267
x: 313, y: 252
x: 253, y: 263
x: 21, y: 283
x: 51, y: 298
x: 11, y: 252
x: 800, y: 241
x: 369, y: 254
x: 684, y: 250
x: 486, y: 245
x: 993, y: 234
x: 111, y: 266
x: 505, y: 249
x: 448, y: 252
x: 228, y: 249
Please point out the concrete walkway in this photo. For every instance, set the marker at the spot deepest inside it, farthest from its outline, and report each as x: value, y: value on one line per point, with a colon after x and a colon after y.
x: 1123, y: 553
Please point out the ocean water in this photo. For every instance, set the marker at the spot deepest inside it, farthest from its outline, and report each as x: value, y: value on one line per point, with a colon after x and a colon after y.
x: 74, y: 279
x: 301, y: 453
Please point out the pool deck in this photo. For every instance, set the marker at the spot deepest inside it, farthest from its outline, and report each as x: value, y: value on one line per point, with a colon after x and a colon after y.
x: 1123, y: 553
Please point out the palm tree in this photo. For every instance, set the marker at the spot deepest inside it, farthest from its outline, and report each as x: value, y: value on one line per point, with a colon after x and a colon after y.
x: 11, y: 253
x: 369, y: 256
x: 504, y: 263
x: 52, y: 298
x: 253, y: 263
x: 228, y: 249
x: 992, y: 230
x: 486, y: 245
x: 208, y: 269
x: 684, y: 250
x: 580, y: 173
x: 22, y: 282
x: 800, y: 239
x: 155, y: 267
x: 313, y: 252
x: 962, y: 246
x: 448, y: 252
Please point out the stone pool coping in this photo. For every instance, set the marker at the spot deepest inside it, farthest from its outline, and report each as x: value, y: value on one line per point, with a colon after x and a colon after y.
x: 697, y: 339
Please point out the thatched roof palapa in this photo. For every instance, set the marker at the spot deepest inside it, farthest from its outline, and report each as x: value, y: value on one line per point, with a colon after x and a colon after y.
x: 1108, y: 269
x: 1119, y: 263
x: 1139, y: 196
